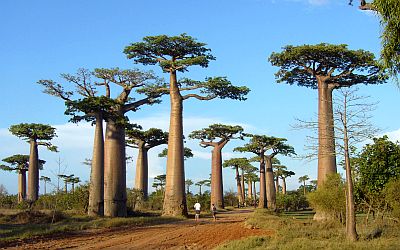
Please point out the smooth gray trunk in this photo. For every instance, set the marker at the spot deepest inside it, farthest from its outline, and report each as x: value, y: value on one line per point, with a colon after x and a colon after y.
x: 33, y: 172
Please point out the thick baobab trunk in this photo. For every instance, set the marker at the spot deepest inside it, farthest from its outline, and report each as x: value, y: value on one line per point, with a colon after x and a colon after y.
x: 277, y: 184
x: 200, y: 190
x: 114, y: 171
x: 269, y: 182
x: 217, y: 190
x: 65, y: 187
x: 262, y: 203
x: 174, y: 196
x: 242, y: 184
x: 239, y: 187
x: 22, y: 185
x: 283, y: 185
x: 33, y: 172
x: 326, y: 140
x: 96, y: 187
x: 255, y: 193
x: 141, y: 178
x: 249, y: 189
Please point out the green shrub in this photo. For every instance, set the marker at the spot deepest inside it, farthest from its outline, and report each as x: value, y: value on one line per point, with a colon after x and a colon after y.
x: 291, y: 201
x: 392, y: 197
x: 330, y: 197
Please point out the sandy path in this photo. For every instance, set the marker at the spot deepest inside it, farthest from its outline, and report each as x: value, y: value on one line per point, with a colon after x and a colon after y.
x: 188, y: 234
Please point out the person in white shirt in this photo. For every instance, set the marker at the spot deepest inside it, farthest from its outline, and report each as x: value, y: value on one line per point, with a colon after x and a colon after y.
x: 197, y: 207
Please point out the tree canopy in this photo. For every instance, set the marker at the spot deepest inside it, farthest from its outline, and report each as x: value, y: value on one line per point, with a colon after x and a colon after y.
x: 35, y: 131
x: 214, y: 131
x: 151, y: 138
x: 19, y: 162
x: 263, y: 143
x: 343, y: 67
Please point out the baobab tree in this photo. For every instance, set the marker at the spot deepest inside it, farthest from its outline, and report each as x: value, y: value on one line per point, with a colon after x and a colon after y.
x: 20, y: 164
x: 237, y: 163
x: 251, y: 177
x: 188, y: 183
x: 66, y: 179
x: 326, y: 67
x: 217, y: 136
x: 203, y: 183
x: 260, y: 145
x: 285, y: 174
x: 36, y: 135
x: 45, y: 179
x: 73, y: 181
x: 303, y: 179
x: 176, y: 54
x: 144, y: 141
x: 159, y: 181
x: 92, y: 108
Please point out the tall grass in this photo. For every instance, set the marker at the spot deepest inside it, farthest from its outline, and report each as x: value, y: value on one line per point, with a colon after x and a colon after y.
x: 298, y: 232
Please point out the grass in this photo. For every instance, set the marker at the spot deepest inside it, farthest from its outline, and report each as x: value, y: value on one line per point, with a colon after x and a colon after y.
x: 11, y: 231
x: 297, y: 230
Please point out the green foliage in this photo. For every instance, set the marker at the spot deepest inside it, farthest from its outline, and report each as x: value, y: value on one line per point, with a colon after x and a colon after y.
x: 204, y: 199
x: 231, y: 199
x: 389, y: 12
x: 237, y: 162
x: 263, y: 143
x: 300, y: 64
x: 392, y: 197
x: 330, y: 198
x: 215, y: 131
x: 170, y: 52
x: 151, y: 138
x: 8, y: 201
x: 222, y: 88
x: 375, y: 166
x: 186, y: 154
x: 35, y: 131
x: 291, y: 201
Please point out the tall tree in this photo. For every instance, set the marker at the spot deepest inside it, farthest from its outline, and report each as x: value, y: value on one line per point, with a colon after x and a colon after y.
x: 260, y: 145
x: 20, y: 164
x: 36, y: 135
x: 67, y: 179
x: 237, y: 163
x: 303, y: 179
x: 144, y: 141
x: 352, y: 119
x: 176, y: 54
x: 73, y: 181
x: 217, y: 136
x: 159, y: 181
x: 326, y: 67
x: 95, y: 109
x: 45, y: 180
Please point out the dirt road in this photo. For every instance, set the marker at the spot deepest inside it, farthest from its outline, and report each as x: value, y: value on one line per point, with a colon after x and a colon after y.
x: 188, y: 234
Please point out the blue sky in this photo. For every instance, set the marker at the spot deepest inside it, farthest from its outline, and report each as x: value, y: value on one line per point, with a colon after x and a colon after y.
x: 41, y: 39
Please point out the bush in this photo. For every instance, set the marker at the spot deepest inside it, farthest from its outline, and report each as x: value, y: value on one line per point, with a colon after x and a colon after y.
x: 330, y: 198
x: 291, y: 201
x: 392, y: 197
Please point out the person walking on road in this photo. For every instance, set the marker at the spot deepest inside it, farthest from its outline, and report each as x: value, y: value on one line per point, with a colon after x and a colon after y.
x: 214, y: 212
x: 197, y: 207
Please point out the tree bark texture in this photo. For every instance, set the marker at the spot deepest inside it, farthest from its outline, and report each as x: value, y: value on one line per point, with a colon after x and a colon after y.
x: 141, y: 178
x: 262, y: 202
x: 326, y: 140
x: 242, y: 184
x: 114, y: 171
x: 283, y: 185
x: 249, y: 189
x: 277, y: 184
x: 22, y: 185
x: 174, y: 196
x: 269, y: 182
x: 239, y: 186
x: 217, y: 189
x: 33, y: 172
x: 96, y: 187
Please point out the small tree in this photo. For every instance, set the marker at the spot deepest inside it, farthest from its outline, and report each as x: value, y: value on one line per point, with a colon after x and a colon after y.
x: 217, y: 136
x: 260, y: 145
x: 303, y: 179
x: 45, y: 179
x: 144, y: 141
x: 176, y: 54
x: 237, y: 163
x: 202, y: 183
x: 36, y: 135
x: 188, y: 183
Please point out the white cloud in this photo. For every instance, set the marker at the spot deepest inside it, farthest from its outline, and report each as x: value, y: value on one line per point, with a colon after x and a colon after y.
x: 394, y: 135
